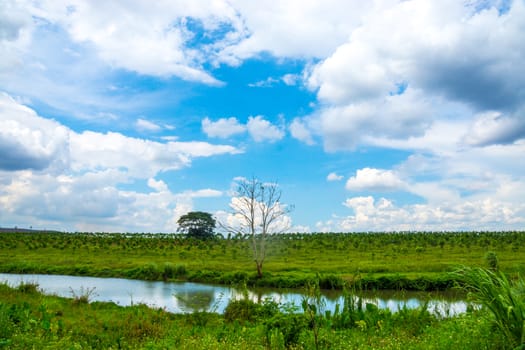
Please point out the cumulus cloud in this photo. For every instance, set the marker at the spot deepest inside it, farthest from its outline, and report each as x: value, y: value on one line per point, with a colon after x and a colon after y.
x: 140, y: 157
x: 163, y: 40
x: 334, y: 177
x: 261, y: 129
x: 28, y: 141
x: 222, y: 128
x: 14, y: 36
x: 494, y: 128
x: 75, y: 178
x: 155, y: 38
x: 369, y: 214
x: 344, y: 127
x: 442, y: 59
x: 298, y: 28
x: 300, y: 131
x: 369, y: 179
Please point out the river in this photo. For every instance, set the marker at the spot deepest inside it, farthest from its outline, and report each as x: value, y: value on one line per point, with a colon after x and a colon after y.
x: 187, y: 297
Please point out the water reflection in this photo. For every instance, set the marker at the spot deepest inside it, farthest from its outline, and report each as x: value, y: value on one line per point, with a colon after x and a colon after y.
x: 189, y: 297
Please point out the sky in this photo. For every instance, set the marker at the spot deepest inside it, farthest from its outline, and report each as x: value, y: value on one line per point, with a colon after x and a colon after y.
x: 384, y: 115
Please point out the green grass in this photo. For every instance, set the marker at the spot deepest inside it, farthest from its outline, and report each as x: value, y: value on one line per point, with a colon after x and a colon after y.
x: 378, y: 260
x: 30, y: 320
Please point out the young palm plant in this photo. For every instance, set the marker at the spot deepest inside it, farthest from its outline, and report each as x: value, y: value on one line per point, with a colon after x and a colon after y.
x: 504, y: 298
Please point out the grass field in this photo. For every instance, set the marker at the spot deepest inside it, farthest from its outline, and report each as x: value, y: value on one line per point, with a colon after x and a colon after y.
x: 29, y: 319
x: 375, y: 260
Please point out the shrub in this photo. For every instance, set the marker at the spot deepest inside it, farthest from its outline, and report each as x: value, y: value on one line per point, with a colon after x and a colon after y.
x: 28, y: 287
x: 243, y: 310
x: 286, y: 328
x: 492, y: 261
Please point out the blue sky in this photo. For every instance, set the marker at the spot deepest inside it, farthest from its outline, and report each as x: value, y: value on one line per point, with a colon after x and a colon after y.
x: 371, y: 116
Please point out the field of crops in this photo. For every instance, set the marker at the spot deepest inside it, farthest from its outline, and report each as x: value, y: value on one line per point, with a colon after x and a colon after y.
x: 376, y: 260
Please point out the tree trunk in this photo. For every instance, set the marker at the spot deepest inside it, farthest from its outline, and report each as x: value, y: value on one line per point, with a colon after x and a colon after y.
x: 259, y: 269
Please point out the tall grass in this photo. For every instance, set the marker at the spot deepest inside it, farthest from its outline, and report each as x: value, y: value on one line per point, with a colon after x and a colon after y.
x: 504, y: 298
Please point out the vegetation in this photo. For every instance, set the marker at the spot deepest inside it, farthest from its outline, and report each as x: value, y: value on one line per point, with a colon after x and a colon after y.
x: 197, y: 224
x: 417, y: 261
x: 29, y: 319
x: 424, y: 261
x: 503, y: 298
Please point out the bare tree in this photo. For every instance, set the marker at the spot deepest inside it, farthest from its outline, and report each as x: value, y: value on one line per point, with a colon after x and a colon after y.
x: 257, y: 212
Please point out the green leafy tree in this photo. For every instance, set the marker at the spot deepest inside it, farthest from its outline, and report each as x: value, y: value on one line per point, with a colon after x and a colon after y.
x: 197, y: 224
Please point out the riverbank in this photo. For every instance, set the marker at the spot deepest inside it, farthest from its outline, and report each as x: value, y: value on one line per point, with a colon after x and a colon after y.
x: 29, y: 319
x: 402, y: 261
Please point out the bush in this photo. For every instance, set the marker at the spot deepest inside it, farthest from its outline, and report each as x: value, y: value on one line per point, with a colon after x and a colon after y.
x: 492, y: 260
x: 243, y: 310
x: 287, y: 327
x: 331, y: 282
x: 28, y: 288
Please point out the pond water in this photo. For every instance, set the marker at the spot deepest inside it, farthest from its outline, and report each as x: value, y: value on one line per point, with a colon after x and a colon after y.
x: 187, y: 297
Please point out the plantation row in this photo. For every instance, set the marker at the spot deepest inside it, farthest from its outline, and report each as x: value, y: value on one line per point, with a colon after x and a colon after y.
x: 336, y: 241
x: 401, y: 260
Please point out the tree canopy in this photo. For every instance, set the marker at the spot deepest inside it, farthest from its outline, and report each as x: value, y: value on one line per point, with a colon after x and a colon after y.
x: 197, y: 224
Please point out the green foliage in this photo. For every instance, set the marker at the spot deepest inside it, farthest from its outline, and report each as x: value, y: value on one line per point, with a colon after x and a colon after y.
x: 492, y: 261
x: 197, y: 224
x: 242, y: 310
x: 504, y: 298
x: 28, y: 287
x: 34, y: 321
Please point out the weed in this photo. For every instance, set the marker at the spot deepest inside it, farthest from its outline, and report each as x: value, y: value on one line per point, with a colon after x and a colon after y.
x: 84, y: 295
x: 28, y: 287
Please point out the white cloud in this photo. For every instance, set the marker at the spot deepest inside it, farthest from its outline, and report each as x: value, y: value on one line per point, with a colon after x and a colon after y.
x: 268, y: 82
x: 442, y: 60
x: 287, y: 79
x: 334, y: 177
x: 493, y: 128
x: 204, y: 193
x: 146, y: 125
x: 298, y: 28
x: 369, y: 214
x: 140, y: 157
x: 14, y: 34
x: 159, y: 186
x: 301, y: 132
x: 291, y: 79
x: 261, y: 130
x: 67, y: 180
x: 154, y: 38
x: 28, y: 141
x: 159, y: 40
x: 369, y: 179
x: 222, y: 128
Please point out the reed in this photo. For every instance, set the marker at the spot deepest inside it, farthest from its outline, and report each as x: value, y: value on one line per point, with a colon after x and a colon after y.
x: 503, y: 297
